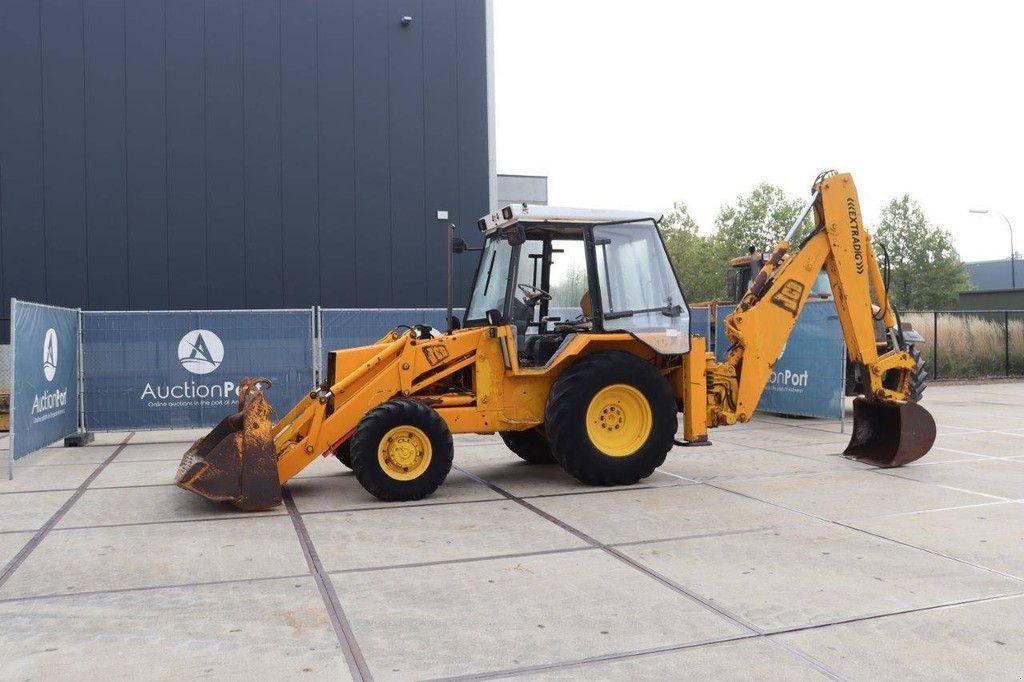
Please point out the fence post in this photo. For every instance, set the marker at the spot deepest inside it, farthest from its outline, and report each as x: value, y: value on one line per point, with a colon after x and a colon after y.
x: 81, y: 372
x: 1006, y: 340
x: 935, y: 344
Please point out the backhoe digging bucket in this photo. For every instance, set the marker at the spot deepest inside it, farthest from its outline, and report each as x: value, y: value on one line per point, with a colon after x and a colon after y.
x: 236, y: 462
x: 890, y: 434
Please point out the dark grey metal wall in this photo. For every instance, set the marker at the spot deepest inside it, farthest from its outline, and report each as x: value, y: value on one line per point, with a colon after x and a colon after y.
x: 170, y: 154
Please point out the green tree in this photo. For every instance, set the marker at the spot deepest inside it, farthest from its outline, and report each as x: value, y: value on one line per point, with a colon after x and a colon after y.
x: 759, y: 219
x: 926, y: 270
x: 694, y: 256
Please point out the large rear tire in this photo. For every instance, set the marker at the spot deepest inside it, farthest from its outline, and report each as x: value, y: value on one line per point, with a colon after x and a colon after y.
x: 611, y: 419
x: 531, y: 445
x: 919, y: 377
x: 401, y: 450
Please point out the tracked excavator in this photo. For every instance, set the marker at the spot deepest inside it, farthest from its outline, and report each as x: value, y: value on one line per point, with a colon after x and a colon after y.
x: 576, y: 349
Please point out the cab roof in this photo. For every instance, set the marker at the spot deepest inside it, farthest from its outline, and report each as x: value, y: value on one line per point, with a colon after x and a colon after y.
x: 535, y: 213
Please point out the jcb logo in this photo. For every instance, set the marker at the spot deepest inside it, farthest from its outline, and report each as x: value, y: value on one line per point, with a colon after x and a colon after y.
x: 435, y: 354
x: 788, y: 297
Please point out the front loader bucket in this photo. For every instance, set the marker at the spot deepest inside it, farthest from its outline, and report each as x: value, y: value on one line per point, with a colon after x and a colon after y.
x: 890, y: 434
x: 236, y: 462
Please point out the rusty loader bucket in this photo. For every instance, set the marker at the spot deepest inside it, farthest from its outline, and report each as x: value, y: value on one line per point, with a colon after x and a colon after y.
x: 889, y: 434
x: 236, y: 462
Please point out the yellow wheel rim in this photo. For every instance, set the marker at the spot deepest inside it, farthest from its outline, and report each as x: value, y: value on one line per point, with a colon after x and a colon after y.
x: 404, y: 453
x: 619, y: 420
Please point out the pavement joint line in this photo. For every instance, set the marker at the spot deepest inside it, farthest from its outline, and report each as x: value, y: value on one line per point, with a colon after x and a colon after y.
x: 342, y: 627
x: 771, y: 637
x: 582, y: 662
x: 963, y: 452
x: 248, y: 516
x: 892, y: 474
x: 993, y: 503
x: 388, y: 506
x: 848, y: 526
x: 612, y: 489
x: 150, y: 588
x: 464, y: 560
x: 38, y: 490
x: 650, y: 573
x: 41, y: 534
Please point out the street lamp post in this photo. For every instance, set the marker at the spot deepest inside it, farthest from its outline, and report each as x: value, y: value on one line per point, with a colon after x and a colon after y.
x: 1013, y: 269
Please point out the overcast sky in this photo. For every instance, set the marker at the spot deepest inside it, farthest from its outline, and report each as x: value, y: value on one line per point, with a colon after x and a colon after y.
x: 639, y: 103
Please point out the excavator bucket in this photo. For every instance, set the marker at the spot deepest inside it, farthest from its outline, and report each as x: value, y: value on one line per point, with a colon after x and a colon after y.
x: 236, y: 462
x: 889, y: 434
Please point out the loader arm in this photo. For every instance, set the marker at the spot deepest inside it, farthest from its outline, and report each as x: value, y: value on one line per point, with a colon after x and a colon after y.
x: 761, y: 324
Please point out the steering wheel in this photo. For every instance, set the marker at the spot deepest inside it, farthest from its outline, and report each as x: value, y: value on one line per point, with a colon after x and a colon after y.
x: 533, y: 294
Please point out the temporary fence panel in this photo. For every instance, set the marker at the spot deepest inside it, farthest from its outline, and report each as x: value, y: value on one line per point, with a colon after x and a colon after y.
x: 351, y: 327
x: 44, y: 404
x: 970, y: 344
x: 176, y: 369
x: 700, y: 322
x: 808, y: 379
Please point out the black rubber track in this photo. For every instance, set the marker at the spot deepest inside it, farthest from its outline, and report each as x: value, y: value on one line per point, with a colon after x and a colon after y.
x: 531, y: 445
x: 372, y: 428
x: 565, y: 419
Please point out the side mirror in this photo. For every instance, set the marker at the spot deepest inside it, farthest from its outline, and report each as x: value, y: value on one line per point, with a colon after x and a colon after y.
x: 459, y: 245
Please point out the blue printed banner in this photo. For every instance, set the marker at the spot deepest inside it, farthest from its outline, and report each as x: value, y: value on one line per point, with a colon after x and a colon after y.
x: 44, y: 404
x: 348, y: 328
x: 177, y: 369
x: 700, y: 323
x: 808, y: 380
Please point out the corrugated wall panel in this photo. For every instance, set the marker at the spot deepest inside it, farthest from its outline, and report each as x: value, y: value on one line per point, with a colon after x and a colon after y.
x: 370, y: 45
x: 145, y: 70
x: 187, y: 250
x: 22, y: 214
x: 301, y: 271
x: 441, y: 147
x: 406, y: 135
x: 106, y: 174
x: 263, y: 234
x: 63, y: 76
x: 472, y: 117
x: 336, y: 166
x: 225, y: 160
x: 239, y: 153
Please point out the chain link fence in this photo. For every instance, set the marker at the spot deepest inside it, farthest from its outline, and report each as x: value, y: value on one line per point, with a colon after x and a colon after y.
x: 962, y: 344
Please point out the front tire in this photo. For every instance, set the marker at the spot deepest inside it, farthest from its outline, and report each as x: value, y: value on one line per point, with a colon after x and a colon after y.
x: 344, y: 453
x: 401, y: 450
x: 531, y: 445
x: 611, y: 419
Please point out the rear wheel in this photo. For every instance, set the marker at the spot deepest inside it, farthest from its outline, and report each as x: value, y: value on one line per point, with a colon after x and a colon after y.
x: 919, y: 377
x: 531, y: 445
x: 611, y: 419
x: 401, y: 450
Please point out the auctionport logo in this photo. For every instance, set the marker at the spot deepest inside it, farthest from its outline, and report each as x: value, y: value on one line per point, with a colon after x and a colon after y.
x: 50, y: 354
x: 200, y: 351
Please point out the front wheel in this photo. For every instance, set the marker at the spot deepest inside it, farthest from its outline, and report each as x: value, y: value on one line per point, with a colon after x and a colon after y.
x: 611, y: 419
x: 401, y: 450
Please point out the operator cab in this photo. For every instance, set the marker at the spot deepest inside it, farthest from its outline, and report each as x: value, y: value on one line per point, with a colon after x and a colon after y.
x: 556, y: 272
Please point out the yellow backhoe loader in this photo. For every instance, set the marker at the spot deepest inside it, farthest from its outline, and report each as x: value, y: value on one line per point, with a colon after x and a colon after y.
x: 576, y: 349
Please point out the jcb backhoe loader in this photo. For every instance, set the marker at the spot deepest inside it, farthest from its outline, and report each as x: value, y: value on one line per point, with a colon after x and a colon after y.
x: 575, y: 349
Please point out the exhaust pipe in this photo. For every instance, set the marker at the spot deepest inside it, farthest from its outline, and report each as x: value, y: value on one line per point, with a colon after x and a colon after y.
x: 889, y: 434
x: 236, y: 462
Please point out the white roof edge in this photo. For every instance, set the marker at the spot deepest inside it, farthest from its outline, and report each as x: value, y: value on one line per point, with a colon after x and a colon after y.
x: 513, y: 213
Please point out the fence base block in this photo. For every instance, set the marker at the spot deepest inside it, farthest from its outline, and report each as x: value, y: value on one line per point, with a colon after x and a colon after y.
x: 78, y: 440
